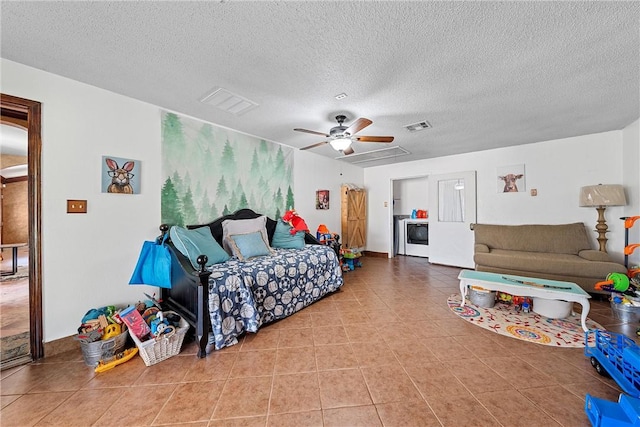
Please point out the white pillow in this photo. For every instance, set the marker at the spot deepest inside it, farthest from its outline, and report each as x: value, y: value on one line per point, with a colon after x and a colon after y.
x: 243, y: 226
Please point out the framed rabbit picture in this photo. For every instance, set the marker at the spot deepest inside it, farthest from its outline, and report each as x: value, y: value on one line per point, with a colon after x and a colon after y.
x: 120, y: 176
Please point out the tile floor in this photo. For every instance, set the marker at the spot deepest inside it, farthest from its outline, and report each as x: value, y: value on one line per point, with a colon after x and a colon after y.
x: 385, y: 350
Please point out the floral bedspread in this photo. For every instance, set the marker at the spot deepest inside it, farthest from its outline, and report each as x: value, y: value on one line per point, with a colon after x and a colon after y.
x: 246, y: 295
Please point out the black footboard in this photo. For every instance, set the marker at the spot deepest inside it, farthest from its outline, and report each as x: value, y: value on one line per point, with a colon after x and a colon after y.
x: 189, y: 294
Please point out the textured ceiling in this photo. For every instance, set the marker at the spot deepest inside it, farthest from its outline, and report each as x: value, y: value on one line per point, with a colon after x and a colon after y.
x: 484, y: 74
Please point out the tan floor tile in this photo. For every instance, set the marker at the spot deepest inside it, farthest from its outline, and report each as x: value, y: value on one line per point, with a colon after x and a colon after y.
x: 407, y: 414
x: 299, y: 320
x: 329, y: 335
x: 434, y: 379
x: 125, y: 375
x: 293, y: 360
x: 254, y: 363
x: 344, y: 387
x: 239, y: 422
x: 373, y: 354
x: 216, y: 366
x: 306, y: 419
x: 362, y: 332
x: 519, y: 373
x: 148, y: 402
x: 502, y: 403
x: 295, y: 393
x: 389, y: 383
x: 244, y: 397
x: 29, y: 409
x: 478, y: 377
x: 412, y: 352
x: 85, y: 407
x: 325, y: 319
x: 191, y: 402
x: 565, y: 408
x: 299, y: 337
x: 168, y: 371
x: 357, y: 416
x: 338, y: 356
x: 461, y: 411
x: 6, y: 400
x: 266, y: 339
x: 353, y: 316
x: 447, y: 348
x: 595, y: 388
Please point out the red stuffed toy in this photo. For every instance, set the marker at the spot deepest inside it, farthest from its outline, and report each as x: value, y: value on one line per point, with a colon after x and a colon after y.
x: 293, y: 219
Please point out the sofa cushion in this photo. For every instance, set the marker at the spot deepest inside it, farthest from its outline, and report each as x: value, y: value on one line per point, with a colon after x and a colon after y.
x: 193, y: 243
x: 546, y: 263
x: 282, y: 237
x: 249, y: 245
x: 243, y: 226
x: 557, y: 239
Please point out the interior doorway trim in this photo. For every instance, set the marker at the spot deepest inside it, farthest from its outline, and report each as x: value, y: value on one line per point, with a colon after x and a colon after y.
x: 33, y: 111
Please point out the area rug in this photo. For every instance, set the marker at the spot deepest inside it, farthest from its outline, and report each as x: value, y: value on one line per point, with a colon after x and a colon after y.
x: 503, y: 319
x: 22, y: 272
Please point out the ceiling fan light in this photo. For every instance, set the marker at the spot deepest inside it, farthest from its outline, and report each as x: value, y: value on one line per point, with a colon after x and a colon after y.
x: 340, y: 144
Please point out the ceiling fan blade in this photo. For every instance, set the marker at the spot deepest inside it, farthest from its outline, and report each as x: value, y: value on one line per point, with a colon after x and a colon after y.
x: 312, y: 132
x: 348, y: 151
x: 374, y: 138
x: 358, y: 125
x: 315, y: 145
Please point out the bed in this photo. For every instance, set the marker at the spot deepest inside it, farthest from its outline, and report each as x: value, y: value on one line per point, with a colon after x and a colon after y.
x: 228, y: 299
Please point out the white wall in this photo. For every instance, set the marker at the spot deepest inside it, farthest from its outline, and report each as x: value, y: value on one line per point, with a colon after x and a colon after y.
x: 313, y: 172
x: 410, y: 194
x: 87, y: 260
x: 631, y: 180
x: 557, y: 169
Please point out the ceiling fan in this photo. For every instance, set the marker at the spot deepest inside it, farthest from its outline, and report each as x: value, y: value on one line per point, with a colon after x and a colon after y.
x: 340, y: 137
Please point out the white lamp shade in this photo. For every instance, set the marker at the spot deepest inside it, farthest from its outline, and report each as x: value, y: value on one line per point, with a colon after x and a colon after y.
x: 602, y: 195
x: 340, y: 144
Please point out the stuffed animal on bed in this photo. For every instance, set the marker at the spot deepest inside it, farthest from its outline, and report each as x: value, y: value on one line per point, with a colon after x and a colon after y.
x: 292, y: 218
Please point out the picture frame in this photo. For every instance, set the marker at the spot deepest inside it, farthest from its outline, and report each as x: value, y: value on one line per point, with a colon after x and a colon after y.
x: 120, y: 175
x: 511, y: 179
x: 322, y: 199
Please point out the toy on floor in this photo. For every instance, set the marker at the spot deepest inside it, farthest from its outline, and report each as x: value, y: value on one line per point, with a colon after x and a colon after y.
x: 295, y: 221
x: 615, y: 282
x: 350, y: 259
x: 118, y: 359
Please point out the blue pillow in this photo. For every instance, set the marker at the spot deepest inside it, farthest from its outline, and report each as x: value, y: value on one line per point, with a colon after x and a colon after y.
x: 193, y: 243
x: 248, y: 245
x: 282, y: 237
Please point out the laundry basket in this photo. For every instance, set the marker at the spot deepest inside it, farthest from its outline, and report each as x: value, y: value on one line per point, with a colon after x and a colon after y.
x: 156, y: 350
x: 93, y: 352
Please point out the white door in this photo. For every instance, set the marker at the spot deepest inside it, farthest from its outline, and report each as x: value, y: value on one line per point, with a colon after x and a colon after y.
x: 452, y: 210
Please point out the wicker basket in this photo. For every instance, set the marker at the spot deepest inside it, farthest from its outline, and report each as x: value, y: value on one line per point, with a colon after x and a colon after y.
x: 158, y: 349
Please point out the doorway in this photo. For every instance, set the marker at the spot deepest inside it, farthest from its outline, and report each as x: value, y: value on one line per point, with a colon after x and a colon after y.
x: 27, y: 114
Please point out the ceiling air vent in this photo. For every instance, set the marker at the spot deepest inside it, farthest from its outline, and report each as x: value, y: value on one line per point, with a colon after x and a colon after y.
x: 418, y: 126
x: 370, y: 156
x: 228, y: 101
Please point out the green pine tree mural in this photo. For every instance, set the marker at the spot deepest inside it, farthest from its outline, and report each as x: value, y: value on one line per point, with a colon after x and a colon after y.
x: 206, y: 167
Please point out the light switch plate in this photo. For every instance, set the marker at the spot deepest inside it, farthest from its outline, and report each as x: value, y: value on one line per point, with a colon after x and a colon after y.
x: 76, y: 206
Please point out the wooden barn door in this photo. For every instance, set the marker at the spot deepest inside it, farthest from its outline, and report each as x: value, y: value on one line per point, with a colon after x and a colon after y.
x: 354, y: 217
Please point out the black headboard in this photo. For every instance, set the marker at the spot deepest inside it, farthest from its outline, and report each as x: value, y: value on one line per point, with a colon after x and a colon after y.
x: 216, y: 225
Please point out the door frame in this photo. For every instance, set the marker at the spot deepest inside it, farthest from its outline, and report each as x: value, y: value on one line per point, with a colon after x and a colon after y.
x: 33, y: 111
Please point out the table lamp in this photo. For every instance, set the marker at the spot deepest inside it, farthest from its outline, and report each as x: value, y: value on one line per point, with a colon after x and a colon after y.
x: 600, y: 196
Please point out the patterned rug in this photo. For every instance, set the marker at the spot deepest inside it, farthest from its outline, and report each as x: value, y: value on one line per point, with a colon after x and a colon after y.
x: 504, y: 320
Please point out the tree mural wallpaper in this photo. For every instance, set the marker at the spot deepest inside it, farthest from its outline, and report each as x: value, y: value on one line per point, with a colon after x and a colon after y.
x: 209, y: 171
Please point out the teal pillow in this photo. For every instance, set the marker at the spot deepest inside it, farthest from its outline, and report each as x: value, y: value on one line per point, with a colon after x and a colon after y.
x: 193, y: 243
x: 248, y: 245
x: 282, y: 237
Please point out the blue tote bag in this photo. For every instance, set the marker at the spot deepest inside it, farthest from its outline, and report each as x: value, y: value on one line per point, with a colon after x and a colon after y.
x: 154, y: 265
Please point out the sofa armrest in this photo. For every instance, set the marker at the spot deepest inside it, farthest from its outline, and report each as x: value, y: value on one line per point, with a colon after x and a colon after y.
x: 480, y: 248
x: 593, y: 255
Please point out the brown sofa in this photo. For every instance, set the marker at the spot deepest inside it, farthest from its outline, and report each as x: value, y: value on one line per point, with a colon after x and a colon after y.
x: 554, y: 252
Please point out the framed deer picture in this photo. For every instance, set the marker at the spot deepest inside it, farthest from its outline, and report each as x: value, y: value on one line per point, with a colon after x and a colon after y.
x: 120, y: 176
x: 511, y: 179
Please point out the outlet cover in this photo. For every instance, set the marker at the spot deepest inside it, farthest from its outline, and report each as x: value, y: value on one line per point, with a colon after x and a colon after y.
x: 76, y: 206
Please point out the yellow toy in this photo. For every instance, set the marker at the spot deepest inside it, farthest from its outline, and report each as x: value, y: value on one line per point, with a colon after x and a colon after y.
x: 118, y: 359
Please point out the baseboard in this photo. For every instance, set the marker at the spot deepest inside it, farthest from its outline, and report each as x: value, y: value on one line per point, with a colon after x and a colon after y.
x: 61, y: 345
x: 376, y: 254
